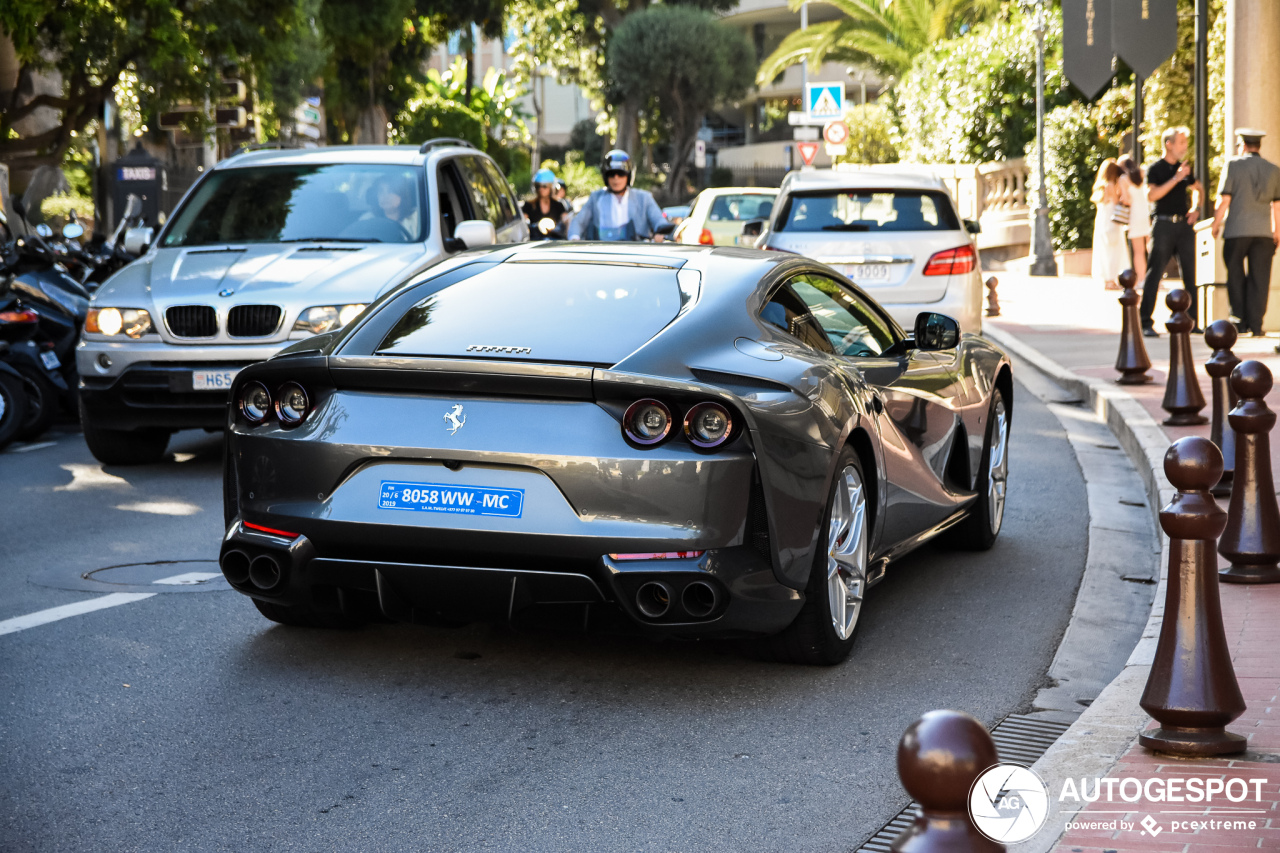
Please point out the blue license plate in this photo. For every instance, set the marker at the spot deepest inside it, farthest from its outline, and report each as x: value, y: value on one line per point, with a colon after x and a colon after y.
x: 458, y: 500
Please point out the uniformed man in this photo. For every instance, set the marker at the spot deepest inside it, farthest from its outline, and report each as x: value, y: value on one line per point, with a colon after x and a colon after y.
x: 1169, y: 181
x: 1249, y: 201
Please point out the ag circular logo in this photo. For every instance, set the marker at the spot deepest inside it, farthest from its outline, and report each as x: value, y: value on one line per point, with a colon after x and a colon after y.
x: 1008, y: 803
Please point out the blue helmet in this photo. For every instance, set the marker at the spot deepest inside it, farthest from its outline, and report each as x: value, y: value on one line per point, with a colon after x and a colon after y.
x: 618, y: 160
x: 544, y: 176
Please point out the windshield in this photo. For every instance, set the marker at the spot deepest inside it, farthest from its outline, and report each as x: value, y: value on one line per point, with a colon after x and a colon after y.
x: 740, y: 208
x: 545, y: 312
x: 279, y: 204
x: 869, y: 210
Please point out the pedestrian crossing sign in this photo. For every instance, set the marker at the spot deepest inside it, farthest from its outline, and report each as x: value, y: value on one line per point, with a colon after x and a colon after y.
x: 824, y: 100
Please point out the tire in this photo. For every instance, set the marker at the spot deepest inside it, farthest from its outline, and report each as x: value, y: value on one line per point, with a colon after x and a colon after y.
x: 124, y: 447
x: 299, y: 617
x: 42, y: 404
x: 13, y: 407
x: 981, y: 527
x: 813, y: 637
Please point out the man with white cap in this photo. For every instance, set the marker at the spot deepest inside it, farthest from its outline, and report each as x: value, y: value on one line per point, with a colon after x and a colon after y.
x: 1249, y: 202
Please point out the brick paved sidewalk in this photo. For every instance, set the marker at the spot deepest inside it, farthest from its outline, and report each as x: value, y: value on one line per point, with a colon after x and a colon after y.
x: 1076, y: 323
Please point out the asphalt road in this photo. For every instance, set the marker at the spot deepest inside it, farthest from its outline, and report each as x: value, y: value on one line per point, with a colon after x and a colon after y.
x: 185, y: 721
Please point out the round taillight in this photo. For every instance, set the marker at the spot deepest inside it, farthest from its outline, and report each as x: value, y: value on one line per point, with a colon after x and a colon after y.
x: 708, y: 425
x: 255, y: 402
x: 291, y: 404
x: 647, y: 422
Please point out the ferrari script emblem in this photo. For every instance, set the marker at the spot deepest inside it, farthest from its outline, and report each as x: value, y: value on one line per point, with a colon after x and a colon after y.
x: 455, y: 419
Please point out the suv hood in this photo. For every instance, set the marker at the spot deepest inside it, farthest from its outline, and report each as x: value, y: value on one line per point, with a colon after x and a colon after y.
x: 281, y: 274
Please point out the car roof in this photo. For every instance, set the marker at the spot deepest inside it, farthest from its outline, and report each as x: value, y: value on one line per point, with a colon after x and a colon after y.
x: 863, y: 178
x: 391, y: 155
x: 715, y: 191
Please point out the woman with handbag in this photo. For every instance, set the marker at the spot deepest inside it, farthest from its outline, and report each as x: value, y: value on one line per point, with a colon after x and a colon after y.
x: 1139, y: 216
x: 1110, y: 255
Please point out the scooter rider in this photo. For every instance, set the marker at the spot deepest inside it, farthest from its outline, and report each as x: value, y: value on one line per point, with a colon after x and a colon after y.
x: 620, y: 211
x: 546, y: 215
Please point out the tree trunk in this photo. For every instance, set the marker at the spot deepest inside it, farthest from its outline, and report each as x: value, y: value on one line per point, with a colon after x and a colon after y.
x: 682, y: 147
x: 628, y: 136
x: 372, y: 128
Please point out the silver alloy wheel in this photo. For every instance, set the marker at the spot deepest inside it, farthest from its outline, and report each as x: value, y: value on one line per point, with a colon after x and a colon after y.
x: 847, y: 552
x: 998, y: 465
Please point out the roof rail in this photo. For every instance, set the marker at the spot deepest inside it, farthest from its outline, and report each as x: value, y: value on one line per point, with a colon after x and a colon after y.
x: 264, y: 146
x: 443, y: 140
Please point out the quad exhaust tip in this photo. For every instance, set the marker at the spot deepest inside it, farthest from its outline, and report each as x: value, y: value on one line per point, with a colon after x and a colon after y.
x: 264, y: 572
x: 699, y: 599
x: 235, y: 566
x: 654, y: 599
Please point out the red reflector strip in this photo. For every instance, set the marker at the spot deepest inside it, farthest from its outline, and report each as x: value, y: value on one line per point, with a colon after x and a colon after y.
x: 660, y: 555
x: 270, y: 530
x: 19, y: 317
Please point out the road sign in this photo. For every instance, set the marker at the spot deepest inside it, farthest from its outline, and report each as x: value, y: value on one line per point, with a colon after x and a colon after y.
x: 1086, y: 44
x: 824, y: 100
x: 1144, y: 33
x: 808, y: 150
x: 806, y: 133
x: 795, y: 118
x: 700, y: 154
x: 836, y: 150
x: 836, y: 133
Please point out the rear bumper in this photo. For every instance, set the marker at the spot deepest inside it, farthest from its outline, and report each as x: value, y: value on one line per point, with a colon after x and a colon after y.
x: 726, y: 592
x: 962, y: 302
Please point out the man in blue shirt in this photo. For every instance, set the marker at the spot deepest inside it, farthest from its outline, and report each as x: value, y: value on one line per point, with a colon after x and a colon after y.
x: 619, y: 211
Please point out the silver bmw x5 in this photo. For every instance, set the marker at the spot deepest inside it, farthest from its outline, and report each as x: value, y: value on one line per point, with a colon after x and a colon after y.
x: 271, y: 247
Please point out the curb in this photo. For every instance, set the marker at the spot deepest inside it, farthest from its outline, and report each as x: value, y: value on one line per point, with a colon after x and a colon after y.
x: 1101, y: 736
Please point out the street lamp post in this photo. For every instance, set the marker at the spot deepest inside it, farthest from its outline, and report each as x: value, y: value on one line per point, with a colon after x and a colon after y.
x: 1041, y: 243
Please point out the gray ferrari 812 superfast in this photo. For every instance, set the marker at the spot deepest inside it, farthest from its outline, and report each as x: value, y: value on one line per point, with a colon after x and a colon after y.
x: 695, y: 441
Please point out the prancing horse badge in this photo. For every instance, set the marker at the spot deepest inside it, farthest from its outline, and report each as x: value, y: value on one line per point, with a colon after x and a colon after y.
x: 455, y: 419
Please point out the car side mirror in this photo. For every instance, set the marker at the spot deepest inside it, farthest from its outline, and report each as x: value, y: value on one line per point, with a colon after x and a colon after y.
x: 665, y: 228
x: 936, y: 331
x: 474, y: 233
x: 753, y: 227
x: 973, y: 226
x: 138, y: 240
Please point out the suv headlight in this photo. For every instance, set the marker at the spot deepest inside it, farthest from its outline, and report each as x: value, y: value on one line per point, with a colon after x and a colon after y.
x: 326, y: 318
x: 133, y: 322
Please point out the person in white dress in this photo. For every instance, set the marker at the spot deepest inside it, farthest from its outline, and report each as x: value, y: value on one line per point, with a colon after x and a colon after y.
x: 1110, y: 255
x: 1139, y: 215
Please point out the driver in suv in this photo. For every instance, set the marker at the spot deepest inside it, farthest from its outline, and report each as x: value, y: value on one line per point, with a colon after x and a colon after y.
x: 270, y: 247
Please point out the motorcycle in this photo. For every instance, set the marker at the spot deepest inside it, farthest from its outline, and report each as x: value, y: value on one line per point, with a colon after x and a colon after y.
x: 13, y: 399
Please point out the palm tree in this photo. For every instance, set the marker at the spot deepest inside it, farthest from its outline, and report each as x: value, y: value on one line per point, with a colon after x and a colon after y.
x: 883, y: 34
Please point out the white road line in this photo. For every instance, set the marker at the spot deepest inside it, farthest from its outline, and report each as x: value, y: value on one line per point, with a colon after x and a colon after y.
x: 189, y: 578
x: 53, y: 614
x: 24, y: 448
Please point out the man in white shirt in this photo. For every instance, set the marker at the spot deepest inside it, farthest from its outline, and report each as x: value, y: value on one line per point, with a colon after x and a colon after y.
x: 620, y: 211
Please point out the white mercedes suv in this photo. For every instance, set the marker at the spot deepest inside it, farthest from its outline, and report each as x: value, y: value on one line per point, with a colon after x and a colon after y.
x: 270, y: 247
x: 896, y: 234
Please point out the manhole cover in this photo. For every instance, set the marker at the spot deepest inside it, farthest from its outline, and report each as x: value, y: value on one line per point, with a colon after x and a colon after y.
x: 161, y: 576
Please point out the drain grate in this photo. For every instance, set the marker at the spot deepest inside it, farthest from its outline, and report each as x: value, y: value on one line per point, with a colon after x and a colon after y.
x: 1019, y: 738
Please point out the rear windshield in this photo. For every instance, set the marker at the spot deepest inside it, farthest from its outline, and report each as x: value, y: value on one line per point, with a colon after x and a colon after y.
x: 276, y: 204
x: 740, y: 208
x: 869, y: 210
x: 545, y: 312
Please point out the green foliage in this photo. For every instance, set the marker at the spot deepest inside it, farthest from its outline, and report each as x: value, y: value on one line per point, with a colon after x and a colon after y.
x: 678, y: 62
x: 583, y: 137
x: 972, y: 99
x: 579, y: 178
x: 176, y: 49
x: 722, y: 176
x: 871, y: 135
x: 1074, y: 151
x: 429, y: 117
x: 57, y: 208
x: 884, y: 34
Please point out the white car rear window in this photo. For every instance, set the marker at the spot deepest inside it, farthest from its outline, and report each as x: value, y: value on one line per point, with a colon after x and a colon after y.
x: 869, y: 210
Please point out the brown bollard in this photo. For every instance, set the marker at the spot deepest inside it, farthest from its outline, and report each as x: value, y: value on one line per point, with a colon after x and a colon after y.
x: 1221, y: 335
x: 940, y: 756
x: 1251, y: 540
x: 1132, y: 360
x: 993, y: 301
x: 1192, y: 690
x: 1182, y: 397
